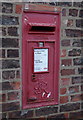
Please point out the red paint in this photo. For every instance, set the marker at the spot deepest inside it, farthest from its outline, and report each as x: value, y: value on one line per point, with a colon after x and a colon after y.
x: 40, y: 88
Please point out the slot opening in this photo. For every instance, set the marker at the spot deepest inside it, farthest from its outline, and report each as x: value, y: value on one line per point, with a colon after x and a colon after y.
x: 42, y: 29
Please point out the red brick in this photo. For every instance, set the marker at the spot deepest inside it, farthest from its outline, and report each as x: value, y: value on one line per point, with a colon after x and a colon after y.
x: 65, y: 42
x: 65, y: 81
x: 63, y: 53
x: 63, y: 91
x: 66, y: 115
x: 42, y: 7
x: 13, y: 95
x: 76, y: 115
x: 15, y: 85
x: 75, y: 98
x: 67, y: 72
x: 59, y: 116
x: 18, y: 9
x: 66, y: 62
x: 11, y: 85
x: 63, y: 99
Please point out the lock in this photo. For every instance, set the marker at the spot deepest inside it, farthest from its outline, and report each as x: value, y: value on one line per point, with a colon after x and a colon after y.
x: 33, y: 78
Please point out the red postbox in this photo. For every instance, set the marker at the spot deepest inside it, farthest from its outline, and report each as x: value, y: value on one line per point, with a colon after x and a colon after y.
x: 40, y: 62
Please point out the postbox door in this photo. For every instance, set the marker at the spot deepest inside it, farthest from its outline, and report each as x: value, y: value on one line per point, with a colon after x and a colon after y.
x: 40, y: 59
x: 41, y: 71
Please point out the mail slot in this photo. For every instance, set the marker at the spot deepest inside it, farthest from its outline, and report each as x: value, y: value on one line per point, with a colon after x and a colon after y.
x: 40, y: 58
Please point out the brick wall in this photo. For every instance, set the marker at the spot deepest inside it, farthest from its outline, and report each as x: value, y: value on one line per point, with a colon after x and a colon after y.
x: 71, y: 64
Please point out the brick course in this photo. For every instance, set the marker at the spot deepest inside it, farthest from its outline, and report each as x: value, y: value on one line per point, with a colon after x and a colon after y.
x: 71, y: 63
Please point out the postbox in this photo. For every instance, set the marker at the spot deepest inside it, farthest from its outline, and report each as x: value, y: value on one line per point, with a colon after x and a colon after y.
x: 40, y: 61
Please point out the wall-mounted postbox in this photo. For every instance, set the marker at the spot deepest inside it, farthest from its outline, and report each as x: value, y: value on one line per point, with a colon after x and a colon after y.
x: 40, y: 69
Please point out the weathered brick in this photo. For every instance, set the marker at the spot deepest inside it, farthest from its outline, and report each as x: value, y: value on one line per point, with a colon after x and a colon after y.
x: 4, y: 33
x: 63, y: 53
x: 52, y: 3
x: 15, y: 85
x: 17, y: 74
x: 74, y: 52
x: 78, y: 4
x: 18, y: 9
x: 1, y: 43
x: 6, y: 86
x: 73, y: 89
x: 81, y: 87
x: 0, y: 31
x: 10, y: 106
x: 70, y: 23
x: 69, y: 107
x: 82, y: 105
x: 21, y: 114
x: 77, y: 80
x: 80, y: 70
x: 64, y: 4
x: 74, y: 33
x: 77, y: 43
x: 3, y: 97
x: 78, y: 61
x: 2, y: 53
x: 42, y: 118
x: 65, y: 43
x: 8, y: 74
x: 63, y: 91
x: 10, y: 85
x: 76, y: 115
x: 46, y: 111
x: 0, y: 20
x: 65, y: 82
x: 10, y: 42
x: 63, y: 99
x: 57, y: 117
x: 7, y: 7
x: 12, y: 31
x: 10, y: 64
x: 81, y: 13
x: 75, y: 98
x: 0, y: 64
x: 79, y: 23
x: 10, y: 20
x: 64, y: 12
x: 66, y: 62
x: 12, y: 53
x: 65, y: 72
x: 13, y: 95
x: 73, y: 12
x: 0, y: 75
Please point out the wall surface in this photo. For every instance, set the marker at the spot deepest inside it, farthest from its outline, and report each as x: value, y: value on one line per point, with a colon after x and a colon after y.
x: 71, y: 64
